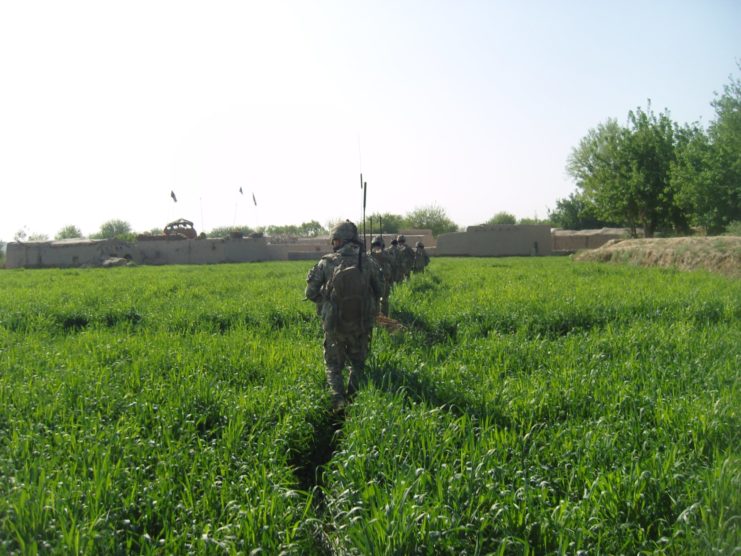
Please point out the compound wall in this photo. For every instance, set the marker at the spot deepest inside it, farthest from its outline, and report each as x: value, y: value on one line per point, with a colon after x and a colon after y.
x: 570, y: 240
x: 496, y: 241
x: 480, y: 241
x: 75, y: 253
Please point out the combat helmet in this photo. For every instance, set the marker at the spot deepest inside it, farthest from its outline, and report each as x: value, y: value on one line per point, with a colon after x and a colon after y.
x: 401, y: 238
x: 378, y: 240
x: 419, y: 244
x: 345, y: 231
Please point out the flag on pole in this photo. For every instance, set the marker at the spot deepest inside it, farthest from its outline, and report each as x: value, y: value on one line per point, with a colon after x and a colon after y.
x: 172, y: 194
x: 254, y: 200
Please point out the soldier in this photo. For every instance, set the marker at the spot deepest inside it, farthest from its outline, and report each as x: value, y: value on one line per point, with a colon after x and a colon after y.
x: 421, y: 258
x: 345, y: 285
x: 397, y: 270
x: 385, y: 263
x: 406, y: 256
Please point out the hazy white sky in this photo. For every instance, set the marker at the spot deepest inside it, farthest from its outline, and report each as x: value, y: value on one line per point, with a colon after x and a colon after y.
x: 105, y: 107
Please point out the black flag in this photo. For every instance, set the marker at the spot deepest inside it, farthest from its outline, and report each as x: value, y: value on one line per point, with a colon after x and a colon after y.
x: 172, y: 194
x: 240, y: 191
x: 254, y: 200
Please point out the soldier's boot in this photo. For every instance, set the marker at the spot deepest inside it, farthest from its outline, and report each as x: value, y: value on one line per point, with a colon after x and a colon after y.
x: 354, y: 380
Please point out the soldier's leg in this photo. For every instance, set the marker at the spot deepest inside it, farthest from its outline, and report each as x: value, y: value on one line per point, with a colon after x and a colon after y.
x: 334, y: 359
x: 385, y: 302
x: 357, y: 352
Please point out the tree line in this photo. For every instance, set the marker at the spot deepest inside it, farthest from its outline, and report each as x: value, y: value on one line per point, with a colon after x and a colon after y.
x: 656, y: 175
x: 431, y: 217
x: 649, y: 174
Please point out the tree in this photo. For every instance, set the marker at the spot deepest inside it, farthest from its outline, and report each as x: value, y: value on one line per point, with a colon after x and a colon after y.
x: 24, y: 235
x: 68, y: 232
x: 576, y: 213
x: 312, y: 229
x: 502, y: 217
x: 431, y: 217
x: 706, y: 174
x: 651, y: 151
x: 625, y: 171
x: 114, y: 229
x: 598, y: 166
x: 226, y: 231
x: 384, y: 222
x: 305, y: 229
x: 535, y: 221
x: 691, y: 177
x: 723, y: 190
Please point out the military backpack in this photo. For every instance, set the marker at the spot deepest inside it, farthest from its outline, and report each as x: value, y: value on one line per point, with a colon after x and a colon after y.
x: 350, y: 298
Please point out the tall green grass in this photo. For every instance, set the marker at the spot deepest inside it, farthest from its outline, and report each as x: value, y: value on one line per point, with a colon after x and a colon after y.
x: 528, y: 406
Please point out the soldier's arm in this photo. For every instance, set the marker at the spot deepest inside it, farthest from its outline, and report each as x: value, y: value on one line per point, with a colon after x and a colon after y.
x: 314, y: 283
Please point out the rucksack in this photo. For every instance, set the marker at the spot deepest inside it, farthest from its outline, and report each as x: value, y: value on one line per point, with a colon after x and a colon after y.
x: 349, y: 294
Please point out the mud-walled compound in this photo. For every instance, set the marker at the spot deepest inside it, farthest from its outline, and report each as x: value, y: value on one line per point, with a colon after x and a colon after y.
x: 496, y: 241
x: 476, y: 241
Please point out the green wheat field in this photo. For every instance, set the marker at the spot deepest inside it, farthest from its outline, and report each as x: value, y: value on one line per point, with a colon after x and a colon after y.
x: 529, y: 406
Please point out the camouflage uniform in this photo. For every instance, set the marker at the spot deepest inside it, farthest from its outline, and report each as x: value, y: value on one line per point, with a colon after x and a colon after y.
x: 421, y: 258
x: 406, y: 257
x: 397, y: 271
x: 341, y: 347
x: 385, y: 263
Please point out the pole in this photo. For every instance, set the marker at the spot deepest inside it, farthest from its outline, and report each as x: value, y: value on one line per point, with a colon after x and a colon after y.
x: 365, y: 192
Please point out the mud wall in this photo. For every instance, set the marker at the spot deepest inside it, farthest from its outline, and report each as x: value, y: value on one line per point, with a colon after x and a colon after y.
x: 75, y: 253
x: 480, y: 241
x: 570, y: 240
x: 67, y: 253
x: 496, y: 241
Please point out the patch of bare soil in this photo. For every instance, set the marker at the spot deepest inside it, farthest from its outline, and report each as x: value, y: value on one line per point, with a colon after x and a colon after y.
x: 717, y: 254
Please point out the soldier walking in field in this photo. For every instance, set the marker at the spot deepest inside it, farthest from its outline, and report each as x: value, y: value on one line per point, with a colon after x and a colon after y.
x: 406, y: 256
x: 346, y: 285
x: 421, y: 258
x: 385, y: 263
x: 397, y: 272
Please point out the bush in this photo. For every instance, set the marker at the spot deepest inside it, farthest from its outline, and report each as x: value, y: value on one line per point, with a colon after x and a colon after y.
x: 734, y: 228
x: 501, y: 218
x: 68, y: 232
x: 432, y: 218
x: 115, y: 228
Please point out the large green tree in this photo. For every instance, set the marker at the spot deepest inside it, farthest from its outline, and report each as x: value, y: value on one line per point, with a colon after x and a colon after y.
x: 625, y: 171
x: 599, y: 166
x: 707, y: 172
x: 576, y: 213
x: 431, y: 217
x: 723, y: 189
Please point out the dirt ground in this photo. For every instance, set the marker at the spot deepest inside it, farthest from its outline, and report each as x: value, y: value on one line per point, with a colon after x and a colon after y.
x: 718, y: 254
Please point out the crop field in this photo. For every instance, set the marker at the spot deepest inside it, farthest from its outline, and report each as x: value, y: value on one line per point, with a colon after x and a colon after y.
x: 528, y: 406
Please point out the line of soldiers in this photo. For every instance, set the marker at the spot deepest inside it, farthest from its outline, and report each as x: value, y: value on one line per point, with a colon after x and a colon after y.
x: 350, y: 288
x: 397, y: 263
